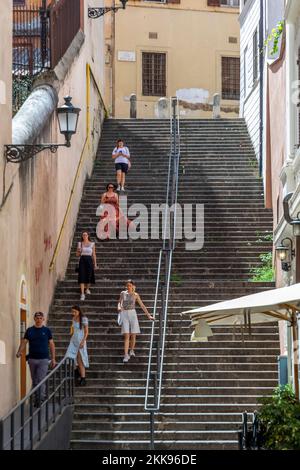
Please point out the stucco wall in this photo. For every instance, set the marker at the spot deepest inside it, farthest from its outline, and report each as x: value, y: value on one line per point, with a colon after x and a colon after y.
x: 7, y: 328
x: 32, y: 216
x: 194, y: 38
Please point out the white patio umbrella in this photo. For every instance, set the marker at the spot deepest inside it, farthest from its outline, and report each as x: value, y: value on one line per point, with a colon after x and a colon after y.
x: 267, y: 306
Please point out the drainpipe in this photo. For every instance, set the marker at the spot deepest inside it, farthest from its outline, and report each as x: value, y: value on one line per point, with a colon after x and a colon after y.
x: 261, y: 97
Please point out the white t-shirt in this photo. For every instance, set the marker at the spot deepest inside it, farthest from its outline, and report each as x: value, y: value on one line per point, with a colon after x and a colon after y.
x: 120, y: 159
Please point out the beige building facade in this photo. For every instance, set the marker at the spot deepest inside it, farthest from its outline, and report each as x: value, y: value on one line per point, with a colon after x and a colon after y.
x: 41, y: 197
x: 186, y: 48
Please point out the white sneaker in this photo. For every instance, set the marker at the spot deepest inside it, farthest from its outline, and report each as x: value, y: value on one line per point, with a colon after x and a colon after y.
x: 88, y: 292
x: 126, y: 358
x: 119, y: 187
x: 131, y: 353
x: 82, y: 297
x: 123, y: 189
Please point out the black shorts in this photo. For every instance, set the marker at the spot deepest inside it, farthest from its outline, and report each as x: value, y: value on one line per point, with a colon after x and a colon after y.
x: 122, y: 167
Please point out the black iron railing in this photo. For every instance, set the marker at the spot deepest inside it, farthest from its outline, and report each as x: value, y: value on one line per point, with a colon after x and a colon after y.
x: 31, y: 419
x: 158, y: 336
x: 42, y: 33
x: 249, y: 437
x: 31, y: 48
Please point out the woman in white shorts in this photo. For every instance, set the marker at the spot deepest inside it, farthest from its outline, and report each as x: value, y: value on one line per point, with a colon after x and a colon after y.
x: 129, y: 319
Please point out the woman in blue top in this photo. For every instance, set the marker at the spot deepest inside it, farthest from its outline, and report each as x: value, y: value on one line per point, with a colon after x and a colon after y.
x: 77, y: 349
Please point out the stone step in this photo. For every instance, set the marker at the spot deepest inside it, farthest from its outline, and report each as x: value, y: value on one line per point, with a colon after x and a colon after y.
x: 206, y: 386
x: 171, y: 400
x: 85, y: 444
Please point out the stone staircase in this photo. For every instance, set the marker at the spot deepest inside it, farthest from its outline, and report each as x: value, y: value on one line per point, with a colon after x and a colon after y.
x: 206, y: 385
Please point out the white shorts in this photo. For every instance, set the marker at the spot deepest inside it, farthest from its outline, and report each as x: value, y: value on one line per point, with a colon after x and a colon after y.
x: 130, y: 323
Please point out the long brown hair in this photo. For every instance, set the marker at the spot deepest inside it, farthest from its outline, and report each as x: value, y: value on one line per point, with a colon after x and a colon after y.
x: 78, y: 309
x: 89, y: 238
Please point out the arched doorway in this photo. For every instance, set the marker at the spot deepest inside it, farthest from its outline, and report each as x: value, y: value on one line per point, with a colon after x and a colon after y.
x: 23, y: 326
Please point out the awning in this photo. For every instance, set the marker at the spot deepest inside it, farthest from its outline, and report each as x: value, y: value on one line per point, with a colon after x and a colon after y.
x: 267, y: 306
x: 263, y: 307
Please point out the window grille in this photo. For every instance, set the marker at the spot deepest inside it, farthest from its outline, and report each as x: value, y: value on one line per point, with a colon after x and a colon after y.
x: 230, y: 78
x: 154, y: 74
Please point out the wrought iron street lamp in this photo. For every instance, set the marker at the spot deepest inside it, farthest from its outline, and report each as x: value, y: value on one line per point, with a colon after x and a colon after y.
x: 67, y: 116
x: 100, y: 11
x: 286, y: 253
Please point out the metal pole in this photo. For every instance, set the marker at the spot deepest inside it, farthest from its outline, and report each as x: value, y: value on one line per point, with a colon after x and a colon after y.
x: 295, y: 354
x: 151, y: 430
x: 44, y: 20
x: 22, y: 425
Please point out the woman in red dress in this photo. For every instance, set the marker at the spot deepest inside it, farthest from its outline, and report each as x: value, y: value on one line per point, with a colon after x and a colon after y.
x: 108, y: 226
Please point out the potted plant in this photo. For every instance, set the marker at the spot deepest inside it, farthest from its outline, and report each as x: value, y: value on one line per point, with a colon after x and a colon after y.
x: 279, y: 419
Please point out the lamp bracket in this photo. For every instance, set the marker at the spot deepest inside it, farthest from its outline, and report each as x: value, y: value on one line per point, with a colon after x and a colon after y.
x: 95, y: 13
x: 22, y: 153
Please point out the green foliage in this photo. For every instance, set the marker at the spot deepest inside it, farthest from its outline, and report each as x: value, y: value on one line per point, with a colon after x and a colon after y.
x: 280, y: 420
x: 176, y: 278
x: 264, y: 237
x: 22, y: 87
x: 265, y: 272
x: 275, y: 36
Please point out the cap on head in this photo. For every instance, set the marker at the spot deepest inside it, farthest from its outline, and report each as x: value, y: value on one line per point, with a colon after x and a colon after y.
x: 39, y: 314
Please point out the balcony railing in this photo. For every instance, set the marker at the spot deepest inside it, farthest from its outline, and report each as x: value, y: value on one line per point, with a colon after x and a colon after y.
x: 42, y: 33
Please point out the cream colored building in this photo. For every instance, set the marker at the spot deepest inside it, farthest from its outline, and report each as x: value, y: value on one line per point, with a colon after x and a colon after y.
x: 40, y: 201
x: 165, y: 48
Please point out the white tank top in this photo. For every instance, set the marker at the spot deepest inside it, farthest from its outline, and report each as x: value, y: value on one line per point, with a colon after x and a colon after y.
x: 86, y: 250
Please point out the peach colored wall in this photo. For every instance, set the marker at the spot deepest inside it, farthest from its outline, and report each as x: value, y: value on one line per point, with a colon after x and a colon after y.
x: 194, y: 38
x: 32, y: 216
x: 7, y: 316
x: 276, y: 145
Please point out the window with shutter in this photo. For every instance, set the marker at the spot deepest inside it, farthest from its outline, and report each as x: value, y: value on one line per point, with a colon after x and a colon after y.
x: 298, y: 98
x: 255, y: 56
x: 154, y: 74
x: 213, y: 3
x: 223, y: 3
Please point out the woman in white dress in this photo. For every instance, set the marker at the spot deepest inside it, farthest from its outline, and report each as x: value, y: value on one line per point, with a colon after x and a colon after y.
x: 129, y: 319
x: 77, y: 349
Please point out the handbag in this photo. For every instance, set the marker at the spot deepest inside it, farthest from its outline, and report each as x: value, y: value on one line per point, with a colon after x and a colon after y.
x: 99, y: 210
x: 119, y: 319
x: 77, y: 267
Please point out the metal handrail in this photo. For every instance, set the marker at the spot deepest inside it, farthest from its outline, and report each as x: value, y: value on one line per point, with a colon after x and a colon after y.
x: 61, y: 395
x: 249, y: 438
x: 157, y: 348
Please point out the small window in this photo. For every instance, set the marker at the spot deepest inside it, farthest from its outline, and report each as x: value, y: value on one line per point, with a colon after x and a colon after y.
x: 255, y: 57
x: 230, y: 78
x: 230, y: 3
x: 154, y: 74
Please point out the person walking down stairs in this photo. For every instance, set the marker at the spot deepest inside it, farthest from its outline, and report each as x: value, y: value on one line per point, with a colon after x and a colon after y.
x: 111, y: 215
x: 88, y: 263
x: 77, y: 349
x: 128, y: 318
x: 40, y: 340
x: 121, y: 156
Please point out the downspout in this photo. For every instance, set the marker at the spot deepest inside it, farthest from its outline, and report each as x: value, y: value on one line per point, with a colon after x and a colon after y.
x: 261, y: 96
